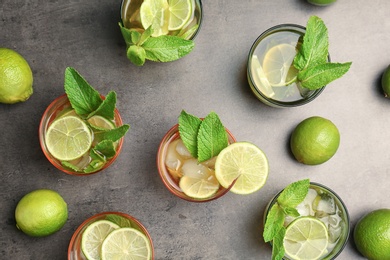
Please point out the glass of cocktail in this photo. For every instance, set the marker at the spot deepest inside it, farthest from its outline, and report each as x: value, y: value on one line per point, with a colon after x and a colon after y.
x: 60, y: 108
x: 173, y: 158
x: 270, y: 72
x: 323, y: 204
x: 116, y: 221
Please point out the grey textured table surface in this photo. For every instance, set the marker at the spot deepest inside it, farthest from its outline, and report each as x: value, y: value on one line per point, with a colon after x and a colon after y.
x: 54, y: 34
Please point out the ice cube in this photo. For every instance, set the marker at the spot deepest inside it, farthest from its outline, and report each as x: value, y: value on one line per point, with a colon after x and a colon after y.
x: 182, y: 150
x: 334, y: 233
x: 173, y: 160
x: 326, y: 206
x: 305, y: 208
x: 210, y: 163
x: 194, y: 169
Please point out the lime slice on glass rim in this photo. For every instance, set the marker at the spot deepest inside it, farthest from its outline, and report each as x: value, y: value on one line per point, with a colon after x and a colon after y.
x: 155, y: 13
x: 180, y: 12
x: 243, y: 163
x: 126, y: 243
x: 306, y: 238
x: 277, y: 65
x: 93, y: 237
x: 68, y: 138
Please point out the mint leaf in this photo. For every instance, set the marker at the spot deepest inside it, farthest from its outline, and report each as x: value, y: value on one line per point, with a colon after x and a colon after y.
x: 314, y: 49
x: 212, y: 137
x: 294, y: 194
x: 166, y: 48
x: 97, y: 162
x: 120, y: 221
x: 187, y: 34
x: 188, y: 130
x: 322, y: 74
x: 145, y: 35
x: 130, y: 36
x: 71, y: 166
x: 106, y: 148
x: 136, y: 55
x: 83, y: 98
x: 113, y: 134
x: 274, y: 222
x: 291, y: 212
x: 107, y: 107
x: 278, y: 244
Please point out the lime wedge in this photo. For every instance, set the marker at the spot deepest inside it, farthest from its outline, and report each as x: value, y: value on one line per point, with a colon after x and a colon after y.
x: 306, y: 238
x: 155, y: 13
x: 93, y: 237
x: 68, y: 138
x: 245, y: 163
x: 180, y: 12
x: 126, y: 243
x: 198, y: 181
x: 99, y: 122
x: 260, y: 79
x: 277, y: 65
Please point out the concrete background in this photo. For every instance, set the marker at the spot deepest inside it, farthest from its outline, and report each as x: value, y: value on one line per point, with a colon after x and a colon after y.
x: 54, y: 34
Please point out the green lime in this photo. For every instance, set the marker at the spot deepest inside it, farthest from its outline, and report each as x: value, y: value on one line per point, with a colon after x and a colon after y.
x: 244, y: 163
x: 99, y: 122
x: 126, y: 243
x: 16, y: 78
x: 321, y: 2
x: 68, y: 138
x: 306, y: 239
x: 277, y: 65
x: 155, y: 13
x: 180, y: 12
x: 198, y: 181
x: 315, y: 140
x: 372, y: 235
x: 41, y: 213
x: 386, y: 82
x: 259, y: 77
x: 93, y: 237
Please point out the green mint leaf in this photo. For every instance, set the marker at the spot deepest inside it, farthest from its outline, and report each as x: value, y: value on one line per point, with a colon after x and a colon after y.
x: 294, y: 194
x: 83, y: 98
x: 187, y: 34
x: 113, y: 134
x: 274, y: 222
x: 97, y: 162
x: 278, y: 244
x: 136, y: 55
x: 120, y: 221
x: 130, y: 36
x: 314, y: 48
x: 145, y: 35
x: 212, y: 137
x: 106, y: 148
x: 188, y: 129
x: 291, y: 212
x: 322, y: 74
x: 166, y: 48
x: 107, y: 107
x: 71, y: 166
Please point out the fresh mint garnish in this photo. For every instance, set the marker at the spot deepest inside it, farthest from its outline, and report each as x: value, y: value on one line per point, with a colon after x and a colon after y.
x: 87, y: 102
x: 203, y: 138
x: 311, y: 60
x: 164, y: 48
x: 285, y: 205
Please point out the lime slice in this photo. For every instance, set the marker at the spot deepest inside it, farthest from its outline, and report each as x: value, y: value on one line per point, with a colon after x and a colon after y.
x: 260, y: 79
x: 198, y: 181
x: 126, y: 243
x: 155, y: 13
x: 66, y: 112
x: 68, y: 138
x: 306, y: 238
x: 245, y: 163
x: 99, y: 122
x: 180, y: 12
x: 277, y: 65
x: 93, y: 237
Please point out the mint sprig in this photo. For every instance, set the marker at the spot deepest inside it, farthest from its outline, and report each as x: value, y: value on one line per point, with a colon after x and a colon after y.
x: 164, y: 48
x: 203, y: 138
x: 311, y: 60
x: 87, y: 102
x: 285, y: 205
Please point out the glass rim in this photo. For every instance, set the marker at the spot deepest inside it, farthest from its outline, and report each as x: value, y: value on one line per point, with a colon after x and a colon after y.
x: 172, y: 134
x: 43, y: 127
x: 199, y: 23
x: 273, y: 102
x: 342, y: 204
x: 102, y: 214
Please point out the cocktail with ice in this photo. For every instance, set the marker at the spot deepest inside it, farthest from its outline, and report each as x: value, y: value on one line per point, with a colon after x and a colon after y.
x: 316, y: 228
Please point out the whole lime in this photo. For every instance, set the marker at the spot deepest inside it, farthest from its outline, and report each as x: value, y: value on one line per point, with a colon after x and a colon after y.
x: 321, y: 2
x: 314, y: 140
x: 41, y: 213
x: 16, y: 78
x: 386, y: 81
x: 372, y: 235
